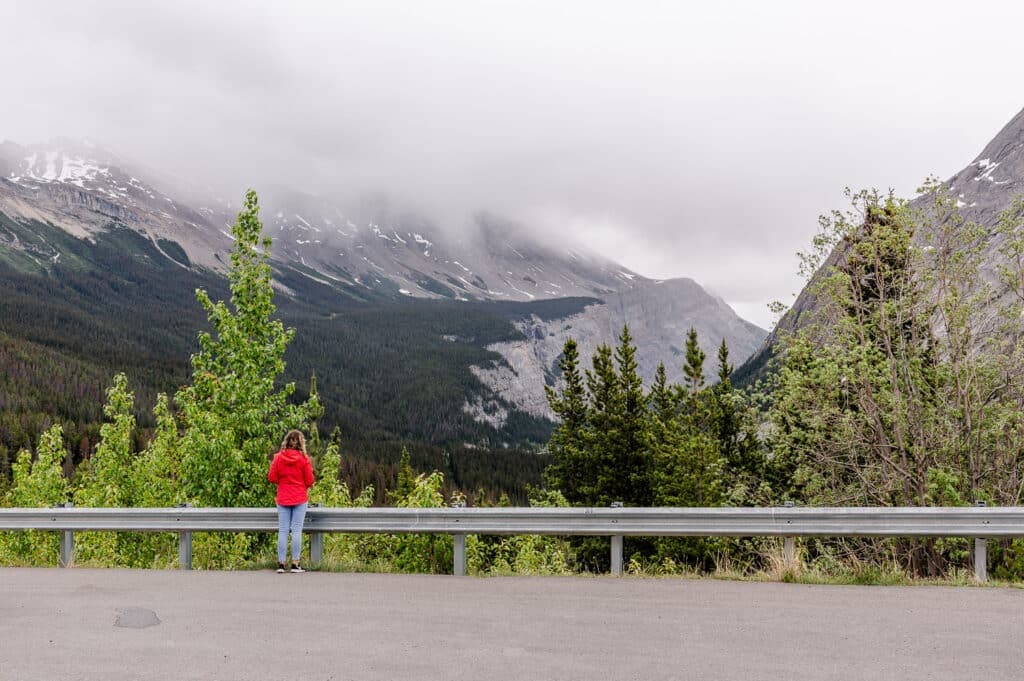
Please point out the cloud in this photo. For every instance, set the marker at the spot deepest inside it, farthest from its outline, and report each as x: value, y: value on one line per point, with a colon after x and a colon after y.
x: 682, y: 140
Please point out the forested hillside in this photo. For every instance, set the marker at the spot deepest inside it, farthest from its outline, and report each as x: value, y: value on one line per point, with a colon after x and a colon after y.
x: 389, y: 374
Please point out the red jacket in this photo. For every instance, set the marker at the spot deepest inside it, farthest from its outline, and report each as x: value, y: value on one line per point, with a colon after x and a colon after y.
x: 292, y: 472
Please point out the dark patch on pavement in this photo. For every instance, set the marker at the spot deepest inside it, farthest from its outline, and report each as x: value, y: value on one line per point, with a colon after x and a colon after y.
x: 136, y: 618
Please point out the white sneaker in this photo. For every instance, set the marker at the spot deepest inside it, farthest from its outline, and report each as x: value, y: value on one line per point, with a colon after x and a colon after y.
x: 297, y: 568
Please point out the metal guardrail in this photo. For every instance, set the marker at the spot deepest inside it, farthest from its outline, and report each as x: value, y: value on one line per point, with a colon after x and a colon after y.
x: 788, y: 522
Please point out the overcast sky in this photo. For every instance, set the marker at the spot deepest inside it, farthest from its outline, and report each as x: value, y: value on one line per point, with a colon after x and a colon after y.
x: 678, y: 138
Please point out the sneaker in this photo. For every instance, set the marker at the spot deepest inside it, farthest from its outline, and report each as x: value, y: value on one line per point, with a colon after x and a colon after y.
x: 297, y: 568
x: 280, y: 568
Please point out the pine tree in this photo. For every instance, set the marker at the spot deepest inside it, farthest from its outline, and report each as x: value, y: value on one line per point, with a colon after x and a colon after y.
x: 316, y: 410
x: 693, y: 369
x: 688, y: 462
x: 406, y: 478
x: 617, y: 414
x: 664, y: 401
x: 724, y: 368
x: 569, y: 471
x: 724, y: 412
x: 734, y: 424
x: 632, y: 437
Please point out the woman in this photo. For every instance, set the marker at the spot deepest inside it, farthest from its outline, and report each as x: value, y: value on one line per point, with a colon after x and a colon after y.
x: 292, y: 472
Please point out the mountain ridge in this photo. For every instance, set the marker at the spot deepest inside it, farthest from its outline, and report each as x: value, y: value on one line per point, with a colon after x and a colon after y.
x: 982, y: 189
x: 381, y: 256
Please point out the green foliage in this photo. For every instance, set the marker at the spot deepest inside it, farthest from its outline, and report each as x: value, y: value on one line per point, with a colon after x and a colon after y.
x: 37, y: 484
x: 395, y: 553
x: 569, y: 470
x: 693, y: 369
x: 406, y: 478
x: 905, y: 389
x: 691, y: 445
x: 599, y: 449
x: 107, y: 480
x: 523, y: 554
x: 330, y: 490
x: 156, y: 470
x: 233, y: 412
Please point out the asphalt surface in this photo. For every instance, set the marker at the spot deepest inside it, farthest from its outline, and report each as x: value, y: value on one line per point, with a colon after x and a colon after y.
x: 128, y: 624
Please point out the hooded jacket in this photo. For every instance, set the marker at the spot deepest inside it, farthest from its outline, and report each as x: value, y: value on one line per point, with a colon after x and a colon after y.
x: 292, y: 472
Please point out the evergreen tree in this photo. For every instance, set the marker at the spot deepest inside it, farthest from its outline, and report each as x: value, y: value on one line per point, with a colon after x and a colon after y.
x: 632, y: 456
x: 723, y: 411
x: 571, y: 469
x: 316, y: 410
x: 687, y: 461
x: 603, y: 415
x: 663, y: 400
x: 693, y: 368
x: 601, y: 445
x: 738, y: 446
x: 724, y: 368
x: 406, y: 478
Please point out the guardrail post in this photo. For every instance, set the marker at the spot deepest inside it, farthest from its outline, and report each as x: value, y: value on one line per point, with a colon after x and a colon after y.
x: 980, y: 555
x: 617, y: 555
x: 616, y: 547
x: 459, y: 555
x: 316, y: 542
x: 67, y: 542
x: 316, y: 547
x: 789, y: 550
x: 789, y: 544
x: 185, y: 546
x: 67, y: 548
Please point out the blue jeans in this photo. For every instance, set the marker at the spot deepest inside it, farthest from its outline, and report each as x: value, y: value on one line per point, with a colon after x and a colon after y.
x: 290, y: 518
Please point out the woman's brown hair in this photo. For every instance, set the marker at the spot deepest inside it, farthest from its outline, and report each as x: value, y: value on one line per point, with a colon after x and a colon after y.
x: 294, y: 440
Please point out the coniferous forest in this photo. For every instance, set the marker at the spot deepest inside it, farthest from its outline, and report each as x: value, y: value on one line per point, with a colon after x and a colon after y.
x: 902, y: 386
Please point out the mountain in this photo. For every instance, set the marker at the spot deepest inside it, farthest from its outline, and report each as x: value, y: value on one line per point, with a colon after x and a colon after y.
x: 659, y: 316
x: 983, y: 189
x: 416, y: 333
x: 83, y: 189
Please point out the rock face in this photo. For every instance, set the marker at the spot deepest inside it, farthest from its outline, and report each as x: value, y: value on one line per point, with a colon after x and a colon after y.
x: 989, y: 183
x: 983, y: 189
x: 659, y: 315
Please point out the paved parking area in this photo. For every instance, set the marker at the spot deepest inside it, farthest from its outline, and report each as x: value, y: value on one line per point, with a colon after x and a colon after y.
x: 132, y: 624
